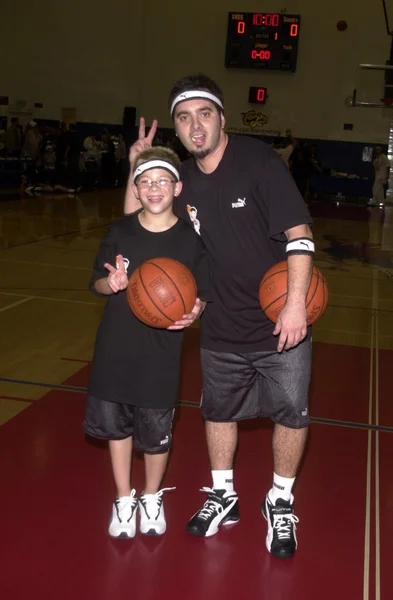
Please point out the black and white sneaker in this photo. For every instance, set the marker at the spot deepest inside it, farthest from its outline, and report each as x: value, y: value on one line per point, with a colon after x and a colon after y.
x: 152, y: 521
x: 220, y: 508
x: 281, y: 538
x: 123, y: 520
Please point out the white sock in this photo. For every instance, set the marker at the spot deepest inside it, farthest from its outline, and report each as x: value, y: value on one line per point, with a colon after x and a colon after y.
x: 282, y: 488
x: 223, y: 480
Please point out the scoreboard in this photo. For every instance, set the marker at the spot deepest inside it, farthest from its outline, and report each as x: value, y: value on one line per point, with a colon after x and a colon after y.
x: 266, y: 41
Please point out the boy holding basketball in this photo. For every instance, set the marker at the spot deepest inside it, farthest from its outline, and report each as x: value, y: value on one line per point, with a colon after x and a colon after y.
x: 135, y: 373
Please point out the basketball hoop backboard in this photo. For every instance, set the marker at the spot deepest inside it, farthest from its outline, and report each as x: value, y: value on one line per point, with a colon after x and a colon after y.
x: 388, y: 10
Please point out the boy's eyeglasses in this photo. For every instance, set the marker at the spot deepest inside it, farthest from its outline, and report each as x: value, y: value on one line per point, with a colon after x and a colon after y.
x: 160, y: 183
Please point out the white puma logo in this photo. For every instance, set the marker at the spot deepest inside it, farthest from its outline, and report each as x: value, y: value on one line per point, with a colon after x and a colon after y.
x: 239, y: 204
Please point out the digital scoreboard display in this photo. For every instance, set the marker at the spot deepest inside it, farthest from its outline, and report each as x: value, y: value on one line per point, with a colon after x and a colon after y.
x: 262, y: 41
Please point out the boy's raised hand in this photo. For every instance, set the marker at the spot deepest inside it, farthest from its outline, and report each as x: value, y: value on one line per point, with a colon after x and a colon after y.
x: 117, y: 278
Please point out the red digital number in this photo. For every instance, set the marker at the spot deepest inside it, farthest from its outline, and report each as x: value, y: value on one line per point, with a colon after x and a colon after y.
x: 261, y: 95
x: 294, y: 30
x: 272, y: 20
x: 259, y: 19
x: 262, y: 55
x: 241, y: 27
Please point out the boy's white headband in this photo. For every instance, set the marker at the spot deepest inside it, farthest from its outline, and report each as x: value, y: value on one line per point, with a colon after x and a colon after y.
x: 155, y: 164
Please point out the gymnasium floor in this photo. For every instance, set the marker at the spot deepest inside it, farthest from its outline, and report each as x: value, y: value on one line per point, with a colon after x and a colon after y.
x: 56, y: 486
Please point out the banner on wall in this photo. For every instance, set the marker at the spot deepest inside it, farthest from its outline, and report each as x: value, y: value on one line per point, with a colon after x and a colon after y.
x: 253, y: 122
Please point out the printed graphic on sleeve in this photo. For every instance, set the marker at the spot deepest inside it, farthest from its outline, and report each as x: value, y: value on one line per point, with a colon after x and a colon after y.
x: 192, y: 213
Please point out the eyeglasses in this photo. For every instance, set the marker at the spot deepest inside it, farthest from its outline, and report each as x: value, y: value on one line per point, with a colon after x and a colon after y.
x: 160, y: 183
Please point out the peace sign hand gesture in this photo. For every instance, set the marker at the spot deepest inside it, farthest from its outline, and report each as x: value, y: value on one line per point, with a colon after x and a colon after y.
x: 144, y: 141
x: 117, y: 278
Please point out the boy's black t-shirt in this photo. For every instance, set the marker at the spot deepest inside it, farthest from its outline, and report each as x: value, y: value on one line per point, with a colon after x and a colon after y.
x: 134, y: 363
x: 241, y: 211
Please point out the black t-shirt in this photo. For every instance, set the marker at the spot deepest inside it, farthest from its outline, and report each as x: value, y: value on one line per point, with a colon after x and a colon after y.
x: 241, y: 211
x: 134, y: 363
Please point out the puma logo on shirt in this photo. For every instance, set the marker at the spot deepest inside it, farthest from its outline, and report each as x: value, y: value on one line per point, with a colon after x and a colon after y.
x: 239, y: 204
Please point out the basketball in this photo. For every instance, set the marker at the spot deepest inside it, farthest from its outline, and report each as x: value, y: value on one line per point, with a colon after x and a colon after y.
x: 273, y: 293
x: 160, y: 291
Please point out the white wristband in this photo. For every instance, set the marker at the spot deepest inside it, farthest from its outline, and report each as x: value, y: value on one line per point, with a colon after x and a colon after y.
x: 301, y: 246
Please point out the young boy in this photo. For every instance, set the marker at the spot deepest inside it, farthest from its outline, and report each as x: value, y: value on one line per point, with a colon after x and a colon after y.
x: 135, y: 373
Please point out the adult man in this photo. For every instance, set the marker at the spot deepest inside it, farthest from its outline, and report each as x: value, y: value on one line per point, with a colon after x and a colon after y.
x: 250, y: 215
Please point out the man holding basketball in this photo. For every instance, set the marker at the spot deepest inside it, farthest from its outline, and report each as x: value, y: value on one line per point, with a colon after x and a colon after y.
x: 250, y: 216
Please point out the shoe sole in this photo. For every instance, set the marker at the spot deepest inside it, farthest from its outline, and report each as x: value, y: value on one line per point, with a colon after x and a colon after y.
x: 215, y: 530
x: 152, y: 533
x: 122, y: 536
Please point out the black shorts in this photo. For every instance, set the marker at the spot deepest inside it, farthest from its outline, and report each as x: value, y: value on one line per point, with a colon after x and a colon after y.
x: 257, y: 384
x: 150, y: 428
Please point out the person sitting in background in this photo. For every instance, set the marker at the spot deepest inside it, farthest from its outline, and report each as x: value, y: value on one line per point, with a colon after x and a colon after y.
x: 37, y: 180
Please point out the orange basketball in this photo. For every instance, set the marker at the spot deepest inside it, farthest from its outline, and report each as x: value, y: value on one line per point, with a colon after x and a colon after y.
x: 160, y: 291
x: 273, y: 293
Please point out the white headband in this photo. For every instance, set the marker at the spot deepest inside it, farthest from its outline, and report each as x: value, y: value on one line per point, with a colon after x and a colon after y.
x: 196, y: 94
x: 155, y: 164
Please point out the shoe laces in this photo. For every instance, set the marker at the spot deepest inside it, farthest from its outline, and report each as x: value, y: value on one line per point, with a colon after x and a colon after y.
x: 284, y: 524
x: 126, y: 506
x: 210, y: 505
x: 152, y: 502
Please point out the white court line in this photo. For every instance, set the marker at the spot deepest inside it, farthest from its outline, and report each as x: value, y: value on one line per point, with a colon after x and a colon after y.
x: 39, y: 264
x: 366, y: 568
x: 53, y: 299
x: 377, y: 502
x: 4, y: 308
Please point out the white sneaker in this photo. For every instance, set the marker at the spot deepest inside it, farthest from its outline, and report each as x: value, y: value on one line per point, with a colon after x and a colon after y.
x: 123, y: 521
x: 152, y: 521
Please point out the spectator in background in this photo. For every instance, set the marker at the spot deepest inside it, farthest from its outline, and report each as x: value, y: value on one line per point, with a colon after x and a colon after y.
x: 300, y: 168
x: 285, y: 149
x: 315, y: 164
x: 72, y: 153
x: 49, y: 158
x: 13, y: 140
x: 31, y: 145
x: 121, y: 160
x: 2, y: 140
x: 108, y: 161
x: 61, y: 145
x: 381, y: 168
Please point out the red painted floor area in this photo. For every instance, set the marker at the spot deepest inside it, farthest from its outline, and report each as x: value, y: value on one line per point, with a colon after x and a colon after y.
x: 340, y: 382
x: 58, y: 493
x: 55, y: 514
x: 386, y: 513
x: 385, y: 388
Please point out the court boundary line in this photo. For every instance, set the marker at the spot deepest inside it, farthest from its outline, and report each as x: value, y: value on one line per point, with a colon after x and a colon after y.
x: 316, y: 420
x: 58, y: 235
x: 17, y: 303
x: 54, y: 299
x: 367, y: 520
x: 376, y: 475
x: 39, y: 264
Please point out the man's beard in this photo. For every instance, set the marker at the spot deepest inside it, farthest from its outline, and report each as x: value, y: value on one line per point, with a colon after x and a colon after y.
x: 200, y: 153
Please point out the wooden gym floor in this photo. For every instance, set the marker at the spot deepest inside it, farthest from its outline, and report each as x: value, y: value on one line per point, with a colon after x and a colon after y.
x: 56, y: 486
